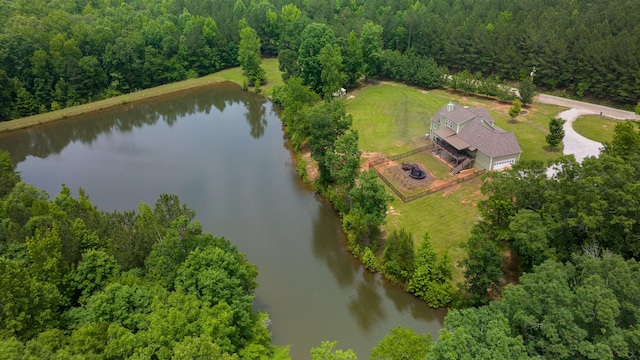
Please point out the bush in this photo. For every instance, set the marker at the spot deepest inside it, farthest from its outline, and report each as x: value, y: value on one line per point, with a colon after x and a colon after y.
x: 369, y: 260
x: 398, y: 257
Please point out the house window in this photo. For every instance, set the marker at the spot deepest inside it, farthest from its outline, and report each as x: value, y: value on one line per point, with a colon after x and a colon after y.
x: 449, y: 124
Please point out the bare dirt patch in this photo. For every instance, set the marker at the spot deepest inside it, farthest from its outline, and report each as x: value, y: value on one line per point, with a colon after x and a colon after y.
x: 450, y: 190
x: 392, y: 211
x: 393, y: 171
x: 311, y: 169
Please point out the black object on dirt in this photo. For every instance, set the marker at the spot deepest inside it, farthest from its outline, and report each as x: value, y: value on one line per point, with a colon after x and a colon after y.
x: 417, y: 173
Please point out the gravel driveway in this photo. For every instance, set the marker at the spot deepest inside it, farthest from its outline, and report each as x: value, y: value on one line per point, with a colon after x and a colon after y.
x: 573, y: 142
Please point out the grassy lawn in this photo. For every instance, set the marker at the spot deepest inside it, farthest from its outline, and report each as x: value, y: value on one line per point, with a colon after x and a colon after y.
x: 447, y: 216
x: 595, y: 127
x: 394, y: 118
x: 233, y: 74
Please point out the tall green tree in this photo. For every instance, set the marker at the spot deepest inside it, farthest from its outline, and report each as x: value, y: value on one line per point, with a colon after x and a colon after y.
x: 331, y: 74
x: 29, y: 305
x: 351, y: 59
x: 327, y: 123
x: 398, y: 258
x: 249, y: 55
x: 431, y: 279
x: 626, y: 141
x: 344, y: 159
x: 7, y: 94
x: 219, y: 276
x: 531, y: 239
x: 45, y: 256
x: 314, y: 37
x: 477, y: 334
x: 370, y: 203
x: 482, y: 266
x: 527, y: 91
x: 371, y: 45
x: 94, y: 272
x: 556, y: 132
x: 583, y: 308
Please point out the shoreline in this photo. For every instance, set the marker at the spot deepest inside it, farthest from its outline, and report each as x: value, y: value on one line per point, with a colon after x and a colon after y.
x: 73, y: 111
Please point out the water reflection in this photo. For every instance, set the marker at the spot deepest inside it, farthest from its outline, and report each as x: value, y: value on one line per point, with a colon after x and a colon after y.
x: 126, y: 118
x: 331, y: 251
x: 256, y: 116
x: 410, y: 304
x: 367, y: 307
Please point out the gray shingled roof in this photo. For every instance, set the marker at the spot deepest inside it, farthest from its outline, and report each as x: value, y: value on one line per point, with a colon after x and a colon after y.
x: 458, y: 114
x: 480, y: 131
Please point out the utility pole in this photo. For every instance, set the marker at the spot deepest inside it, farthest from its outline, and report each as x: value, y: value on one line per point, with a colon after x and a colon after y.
x: 533, y: 72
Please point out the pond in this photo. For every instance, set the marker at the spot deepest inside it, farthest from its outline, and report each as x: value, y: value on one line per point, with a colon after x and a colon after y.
x: 223, y: 152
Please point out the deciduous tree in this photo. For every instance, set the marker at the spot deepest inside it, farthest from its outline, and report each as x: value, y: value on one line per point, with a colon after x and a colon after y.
x: 8, y: 175
x: 370, y: 203
x: 482, y: 266
x: 352, y: 61
x: 314, y: 37
x: 402, y: 343
x: 527, y: 91
x: 327, y: 351
x: 371, y: 45
x: 331, y: 75
x: 249, y: 55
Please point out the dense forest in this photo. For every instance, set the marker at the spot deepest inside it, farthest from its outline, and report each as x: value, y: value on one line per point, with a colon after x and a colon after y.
x: 76, y: 282
x: 62, y: 53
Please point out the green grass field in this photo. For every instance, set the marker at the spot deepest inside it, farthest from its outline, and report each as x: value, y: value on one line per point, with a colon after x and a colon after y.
x: 596, y: 128
x: 233, y: 74
x: 394, y: 118
x: 530, y: 129
x: 447, y: 216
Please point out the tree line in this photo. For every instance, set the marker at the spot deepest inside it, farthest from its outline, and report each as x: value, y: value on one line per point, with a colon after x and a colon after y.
x: 64, y: 53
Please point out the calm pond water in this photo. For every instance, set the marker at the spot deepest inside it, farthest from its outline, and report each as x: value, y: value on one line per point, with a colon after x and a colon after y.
x: 223, y: 152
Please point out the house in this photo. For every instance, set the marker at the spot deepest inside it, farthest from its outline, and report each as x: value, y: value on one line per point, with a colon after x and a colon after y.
x: 468, y: 137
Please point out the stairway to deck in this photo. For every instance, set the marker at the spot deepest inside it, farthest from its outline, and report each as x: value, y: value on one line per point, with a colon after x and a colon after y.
x: 461, y: 166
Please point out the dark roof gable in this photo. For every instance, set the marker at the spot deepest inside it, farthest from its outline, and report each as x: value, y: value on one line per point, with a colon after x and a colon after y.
x: 480, y: 131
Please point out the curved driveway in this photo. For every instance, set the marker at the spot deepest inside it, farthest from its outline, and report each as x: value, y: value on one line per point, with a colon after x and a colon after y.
x: 573, y: 142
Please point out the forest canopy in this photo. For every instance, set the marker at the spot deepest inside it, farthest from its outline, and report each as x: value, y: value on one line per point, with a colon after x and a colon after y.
x: 64, y: 53
x: 78, y: 282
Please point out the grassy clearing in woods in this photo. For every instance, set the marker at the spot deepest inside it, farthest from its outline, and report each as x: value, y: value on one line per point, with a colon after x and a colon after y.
x: 393, y: 118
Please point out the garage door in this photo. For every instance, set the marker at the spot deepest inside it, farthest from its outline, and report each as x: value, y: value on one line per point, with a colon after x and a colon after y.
x: 503, y: 164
